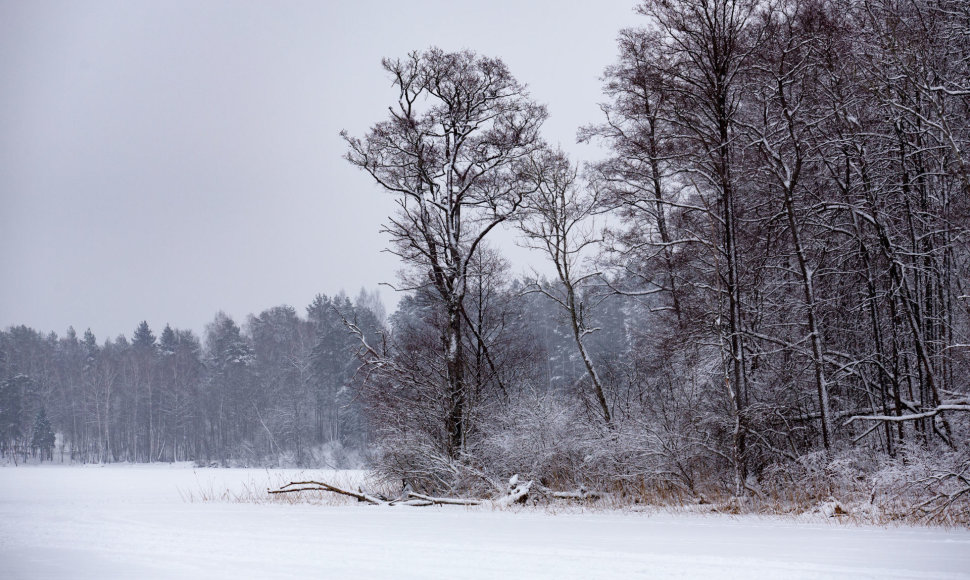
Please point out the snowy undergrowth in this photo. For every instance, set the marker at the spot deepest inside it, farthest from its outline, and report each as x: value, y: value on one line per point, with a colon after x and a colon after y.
x: 847, y: 488
x: 849, y: 507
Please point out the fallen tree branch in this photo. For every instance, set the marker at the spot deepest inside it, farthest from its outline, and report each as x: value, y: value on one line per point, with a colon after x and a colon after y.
x: 414, y: 499
x: 912, y: 416
x: 320, y: 486
x: 516, y: 492
x: 443, y: 500
x: 875, y: 426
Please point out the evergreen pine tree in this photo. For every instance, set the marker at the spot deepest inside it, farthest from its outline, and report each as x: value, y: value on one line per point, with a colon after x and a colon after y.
x: 42, y: 439
x: 12, y: 393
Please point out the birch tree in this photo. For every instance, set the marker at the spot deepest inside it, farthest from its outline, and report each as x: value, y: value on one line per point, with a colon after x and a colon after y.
x: 558, y: 223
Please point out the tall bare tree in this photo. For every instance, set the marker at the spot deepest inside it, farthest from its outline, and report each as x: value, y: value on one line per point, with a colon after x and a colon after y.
x: 449, y: 152
x: 685, y: 74
x: 558, y: 223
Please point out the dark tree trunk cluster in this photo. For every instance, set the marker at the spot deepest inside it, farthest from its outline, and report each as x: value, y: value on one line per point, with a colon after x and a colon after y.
x: 787, y: 193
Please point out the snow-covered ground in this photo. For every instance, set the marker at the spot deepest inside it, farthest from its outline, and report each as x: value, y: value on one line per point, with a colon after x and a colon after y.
x: 149, y: 522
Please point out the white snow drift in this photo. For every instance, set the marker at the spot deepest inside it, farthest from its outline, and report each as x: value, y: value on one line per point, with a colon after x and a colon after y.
x: 150, y: 522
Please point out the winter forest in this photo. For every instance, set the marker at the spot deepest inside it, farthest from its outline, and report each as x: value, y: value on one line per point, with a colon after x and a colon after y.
x: 759, y: 295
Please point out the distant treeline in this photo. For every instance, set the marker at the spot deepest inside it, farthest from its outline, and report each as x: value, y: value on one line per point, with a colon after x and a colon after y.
x: 278, y: 388
x: 281, y: 389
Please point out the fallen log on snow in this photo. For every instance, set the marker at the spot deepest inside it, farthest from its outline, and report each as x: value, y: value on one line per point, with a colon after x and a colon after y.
x: 440, y: 500
x: 292, y: 487
x: 413, y: 499
x: 516, y: 492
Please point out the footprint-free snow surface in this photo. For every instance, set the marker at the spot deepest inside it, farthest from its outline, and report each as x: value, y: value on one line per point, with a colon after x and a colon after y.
x: 148, y: 522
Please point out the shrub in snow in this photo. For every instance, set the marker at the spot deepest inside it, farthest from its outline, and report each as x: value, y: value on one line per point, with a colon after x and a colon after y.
x: 931, y: 487
x: 541, y: 438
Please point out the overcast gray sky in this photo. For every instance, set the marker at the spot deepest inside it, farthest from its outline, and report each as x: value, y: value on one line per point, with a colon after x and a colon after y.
x: 166, y: 160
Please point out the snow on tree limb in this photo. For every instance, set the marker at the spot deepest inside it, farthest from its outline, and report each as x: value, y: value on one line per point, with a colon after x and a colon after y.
x: 912, y: 416
x: 517, y: 492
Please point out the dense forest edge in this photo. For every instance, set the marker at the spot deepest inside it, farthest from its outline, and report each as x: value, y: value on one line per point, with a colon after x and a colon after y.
x: 760, y: 296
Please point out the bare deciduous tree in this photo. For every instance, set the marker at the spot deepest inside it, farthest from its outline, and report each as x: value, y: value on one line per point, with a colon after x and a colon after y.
x: 448, y: 152
x: 558, y: 222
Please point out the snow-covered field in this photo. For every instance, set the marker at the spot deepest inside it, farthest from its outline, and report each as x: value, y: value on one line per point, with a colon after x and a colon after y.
x: 150, y: 522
